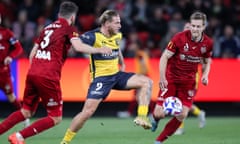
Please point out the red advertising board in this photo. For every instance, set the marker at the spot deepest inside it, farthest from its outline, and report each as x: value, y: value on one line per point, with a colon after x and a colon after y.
x: 223, y: 81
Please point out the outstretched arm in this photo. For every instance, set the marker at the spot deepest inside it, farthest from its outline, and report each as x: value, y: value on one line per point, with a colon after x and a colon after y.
x: 78, y: 45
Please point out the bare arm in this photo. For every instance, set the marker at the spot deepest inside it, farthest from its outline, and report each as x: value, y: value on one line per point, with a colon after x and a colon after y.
x: 162, y: 68
x: 206, y: 66
x: 121, y: 61
x: 78, y: 45
x: 33, y: 52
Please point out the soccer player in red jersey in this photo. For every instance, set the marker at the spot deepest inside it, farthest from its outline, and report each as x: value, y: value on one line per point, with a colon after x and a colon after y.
x: 178, y: 68
x: 195, y: 110
x: 43, y: 78
x: 7, y: 54
x: 10, y: 48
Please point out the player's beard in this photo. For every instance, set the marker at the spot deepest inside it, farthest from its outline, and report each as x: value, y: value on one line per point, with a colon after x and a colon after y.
x: 111, y: 32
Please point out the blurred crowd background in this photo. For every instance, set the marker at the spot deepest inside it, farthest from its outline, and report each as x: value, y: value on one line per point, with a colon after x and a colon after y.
x: 147, y: 25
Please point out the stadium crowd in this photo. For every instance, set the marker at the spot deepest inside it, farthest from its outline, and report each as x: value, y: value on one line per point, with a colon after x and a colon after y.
x: 148, y: 24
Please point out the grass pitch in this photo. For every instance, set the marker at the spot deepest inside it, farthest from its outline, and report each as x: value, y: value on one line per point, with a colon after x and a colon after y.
x: 111, y: 130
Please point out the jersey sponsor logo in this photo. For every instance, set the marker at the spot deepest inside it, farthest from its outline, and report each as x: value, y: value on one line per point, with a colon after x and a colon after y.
x: 190, y: 58
x: 42, y: 54
x: 113, y: 54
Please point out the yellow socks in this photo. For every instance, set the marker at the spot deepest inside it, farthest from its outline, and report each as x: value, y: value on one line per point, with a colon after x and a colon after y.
x: 182, y: 125
x: 142, y: 110
x: 69, y: 136
x: 196, y: 111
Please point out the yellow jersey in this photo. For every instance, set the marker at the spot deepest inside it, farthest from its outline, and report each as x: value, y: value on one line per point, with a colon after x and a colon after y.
x: 103, y: 64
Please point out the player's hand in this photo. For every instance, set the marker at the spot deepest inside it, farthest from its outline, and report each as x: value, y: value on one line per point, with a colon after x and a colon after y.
x: 7, y: 60
x: 105, y: 50
x: 163, y: 84
x: 205, y: 80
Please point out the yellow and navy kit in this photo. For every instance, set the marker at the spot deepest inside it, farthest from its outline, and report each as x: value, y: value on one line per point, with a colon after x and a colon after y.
x: 103, y: 64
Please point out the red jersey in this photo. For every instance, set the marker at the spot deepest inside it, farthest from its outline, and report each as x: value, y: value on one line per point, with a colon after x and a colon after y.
x: 9, y: 46
x: 54, y: 43
x: 183, y: 65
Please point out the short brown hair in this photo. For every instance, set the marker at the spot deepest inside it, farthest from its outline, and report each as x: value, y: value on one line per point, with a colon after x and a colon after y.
x: 199, y: 16
x: 67, y: 8
x: 107, y: 16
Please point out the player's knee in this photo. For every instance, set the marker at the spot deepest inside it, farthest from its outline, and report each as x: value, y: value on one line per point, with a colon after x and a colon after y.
x: 182, y: 116
x: 146, y: 82
x: 87, y: 113
x: 158, y: 112
x: 57, y: 120
x: 26, y: 113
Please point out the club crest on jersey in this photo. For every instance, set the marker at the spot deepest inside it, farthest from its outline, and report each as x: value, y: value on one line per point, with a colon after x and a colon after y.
x: 203, y: 49
x: 186, y: 47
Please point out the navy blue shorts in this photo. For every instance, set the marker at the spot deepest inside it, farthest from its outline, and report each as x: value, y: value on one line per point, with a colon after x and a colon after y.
x: 100, y: 87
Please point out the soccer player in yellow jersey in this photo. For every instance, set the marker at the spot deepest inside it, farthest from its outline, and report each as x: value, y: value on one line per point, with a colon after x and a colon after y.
x: 106, y: 75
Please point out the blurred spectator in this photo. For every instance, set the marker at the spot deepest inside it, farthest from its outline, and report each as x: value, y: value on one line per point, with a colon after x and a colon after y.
x: 182, y: 6
x: 172, y: 30
x: 32, y: 8
x: 7, y: 10
x: 229, y: 43
x: 140, y: 14
x: 219, y: 11
x: 48, y: 11
x: 132, y: 44
x: 158, y: 27
x: 124, y: 9
x: 24, y: 30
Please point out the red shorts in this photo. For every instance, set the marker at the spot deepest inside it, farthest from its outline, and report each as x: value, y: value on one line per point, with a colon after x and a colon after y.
x: 6, y: 84
x: 185, y: 92
x: 48, y: 91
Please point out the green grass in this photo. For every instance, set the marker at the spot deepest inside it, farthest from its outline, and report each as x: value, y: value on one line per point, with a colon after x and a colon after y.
x: 219, y: 130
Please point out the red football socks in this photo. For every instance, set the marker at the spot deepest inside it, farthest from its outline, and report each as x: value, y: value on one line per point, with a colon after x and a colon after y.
x: 11, y: 121
x: 37, y: 127
x: 169, y: 129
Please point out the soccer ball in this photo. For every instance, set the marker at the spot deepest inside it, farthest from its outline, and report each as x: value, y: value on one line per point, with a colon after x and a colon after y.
x: 172, y: 106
